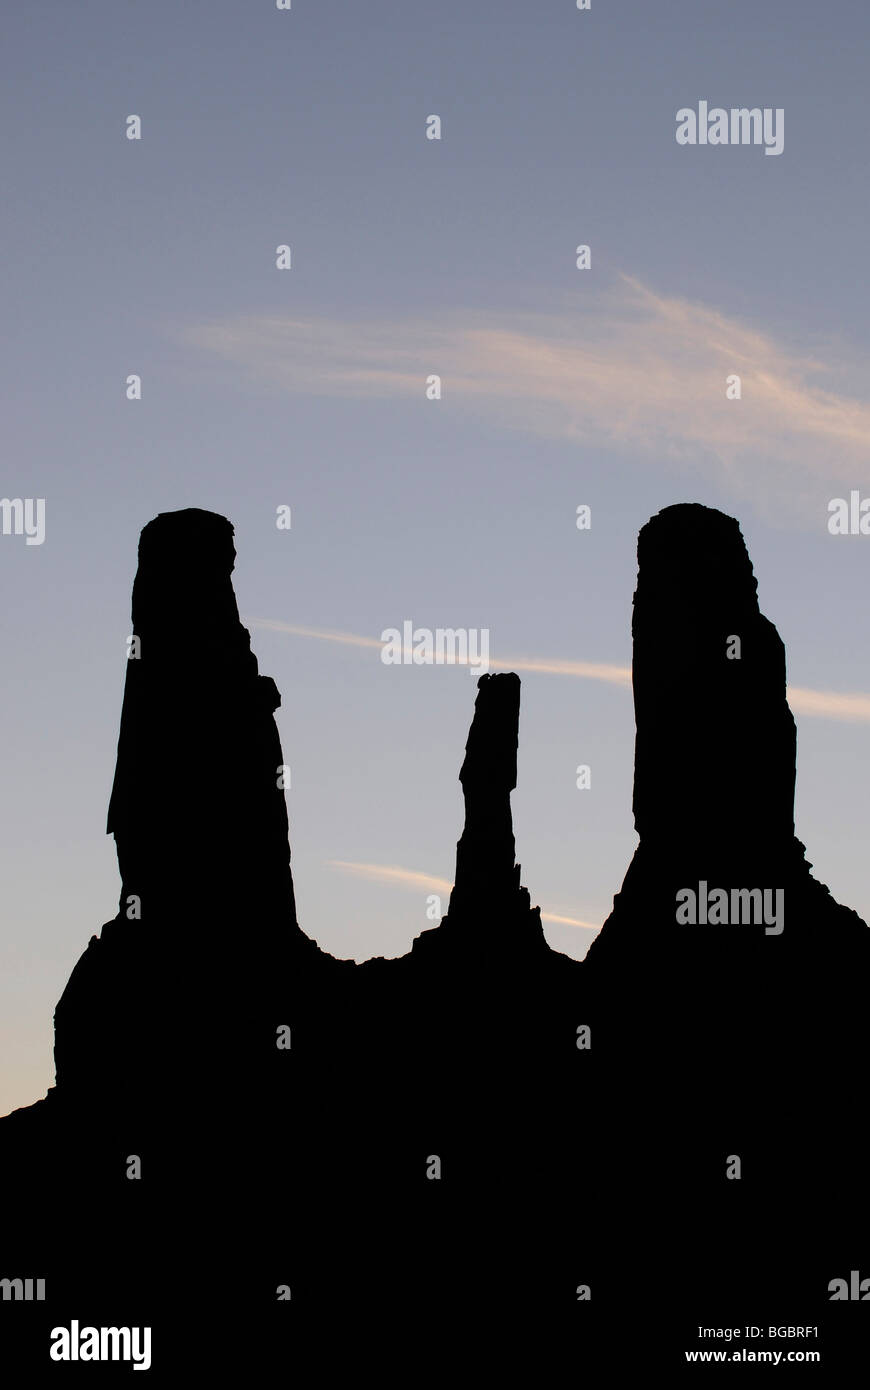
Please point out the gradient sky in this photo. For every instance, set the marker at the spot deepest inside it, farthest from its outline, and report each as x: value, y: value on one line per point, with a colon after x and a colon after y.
x: 306, y: 388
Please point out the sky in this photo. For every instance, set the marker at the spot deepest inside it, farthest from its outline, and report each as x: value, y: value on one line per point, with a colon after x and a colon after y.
x: 306, y: 387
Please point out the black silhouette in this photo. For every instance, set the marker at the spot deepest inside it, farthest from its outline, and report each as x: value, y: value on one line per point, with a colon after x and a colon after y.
x: 567, y: 1159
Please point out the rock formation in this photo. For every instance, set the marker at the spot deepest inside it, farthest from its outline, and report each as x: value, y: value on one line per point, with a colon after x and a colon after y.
x: 581, y: 1116
x: 207, y: 914
x: 490, y: 912
x: 722, y: 1037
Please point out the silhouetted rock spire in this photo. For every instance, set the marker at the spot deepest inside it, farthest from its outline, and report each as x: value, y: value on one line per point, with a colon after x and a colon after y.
x: 207, y: 915
x: 715, y: 743
x: 485, y: 867
x: 197, y: 807
x: 488, y: 906
x: 714, y: 781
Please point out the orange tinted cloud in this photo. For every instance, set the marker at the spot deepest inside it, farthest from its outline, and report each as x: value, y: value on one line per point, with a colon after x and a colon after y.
x: 818, y: 704
x: 411, y: 878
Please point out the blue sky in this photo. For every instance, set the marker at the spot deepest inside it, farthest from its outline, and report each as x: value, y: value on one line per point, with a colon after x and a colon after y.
x: 306, y: 388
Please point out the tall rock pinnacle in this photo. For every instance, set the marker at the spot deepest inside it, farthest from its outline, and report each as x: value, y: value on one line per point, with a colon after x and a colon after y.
x: 485, y: 852
x: 207, y: 915
x: 488, y: 907
x: 197, y: 809
x: 715, y: 744
x: 714, y: 777
x: 726, y: 991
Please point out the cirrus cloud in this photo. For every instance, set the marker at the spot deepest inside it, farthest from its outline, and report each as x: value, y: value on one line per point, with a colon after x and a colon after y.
x: 818, y: 704
x: 622, y: 367
x: 413, y: 878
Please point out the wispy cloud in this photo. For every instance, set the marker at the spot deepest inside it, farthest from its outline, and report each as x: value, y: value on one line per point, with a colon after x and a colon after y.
x: 827, y: 704
x: 590, y: 670
x: 818, y: 704
x: 623, y: 366
x: 411, y: 878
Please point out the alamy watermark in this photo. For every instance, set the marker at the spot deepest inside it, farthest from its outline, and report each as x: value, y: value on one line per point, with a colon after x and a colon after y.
x: 741, y: 907
x: 445, y: 646
x: 850, y: 518
x: 19, y: 518
x: 741, y: 125
x: 102, y: 1344
x: 23, y: 1289
x: 857, y: 1290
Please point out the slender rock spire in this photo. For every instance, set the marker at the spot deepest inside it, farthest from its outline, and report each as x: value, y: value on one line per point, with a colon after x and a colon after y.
x: 488, y: 906
x: 485, y: 868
